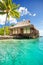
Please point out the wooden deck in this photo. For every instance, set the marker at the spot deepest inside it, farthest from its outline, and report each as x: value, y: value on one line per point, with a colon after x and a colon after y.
x: 25, y: 36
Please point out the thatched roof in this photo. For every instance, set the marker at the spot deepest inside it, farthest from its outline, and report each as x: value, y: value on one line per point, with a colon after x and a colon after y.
x: 21, y: 24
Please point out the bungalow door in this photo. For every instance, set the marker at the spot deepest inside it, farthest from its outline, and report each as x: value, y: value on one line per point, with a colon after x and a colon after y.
x: 21, y: 30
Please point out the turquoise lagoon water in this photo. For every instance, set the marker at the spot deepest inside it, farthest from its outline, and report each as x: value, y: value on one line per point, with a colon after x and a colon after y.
x: 21, y: 52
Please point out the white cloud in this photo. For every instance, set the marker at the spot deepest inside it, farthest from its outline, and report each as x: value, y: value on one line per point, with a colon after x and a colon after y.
x: 34, y: 14
x: 12, y: 20
x: 23, y: 19
x: 41, y: 32
x: 2, y: 19
x: 24, y: 11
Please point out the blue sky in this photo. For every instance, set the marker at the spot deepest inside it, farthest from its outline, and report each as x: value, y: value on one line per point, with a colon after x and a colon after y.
x: 35, y: 7
x: 29, y: 10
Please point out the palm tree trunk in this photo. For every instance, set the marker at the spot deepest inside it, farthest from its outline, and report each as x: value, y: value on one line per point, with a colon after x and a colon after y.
x: 5, y: 25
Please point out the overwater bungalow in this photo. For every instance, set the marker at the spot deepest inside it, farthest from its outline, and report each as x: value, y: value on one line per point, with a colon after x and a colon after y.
x: 24, y: 29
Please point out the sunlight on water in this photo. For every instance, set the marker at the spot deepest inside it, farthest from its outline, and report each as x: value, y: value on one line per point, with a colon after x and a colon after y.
x: 21, y: 52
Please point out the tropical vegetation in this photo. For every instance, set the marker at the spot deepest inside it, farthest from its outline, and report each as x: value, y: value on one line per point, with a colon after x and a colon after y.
x: 2, y: 30
x: 10, y: 9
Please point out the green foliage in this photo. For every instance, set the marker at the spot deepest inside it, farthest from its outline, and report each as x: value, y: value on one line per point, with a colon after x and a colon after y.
x: 2, y: 6
x: 12, y: 24
x: 9, y: 8
x: 2, y: 13
x: 1, y: 31
x: 6, y: 29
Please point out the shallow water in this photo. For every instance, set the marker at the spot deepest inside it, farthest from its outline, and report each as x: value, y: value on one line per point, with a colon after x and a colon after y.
x: 21, y: 52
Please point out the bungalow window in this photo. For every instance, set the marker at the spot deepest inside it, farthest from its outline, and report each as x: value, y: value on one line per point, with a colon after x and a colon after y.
x: 24, y: 30
x: 18, y: 31
x: 28, y: 29
x: 14, y: 31
x: 11, y: 32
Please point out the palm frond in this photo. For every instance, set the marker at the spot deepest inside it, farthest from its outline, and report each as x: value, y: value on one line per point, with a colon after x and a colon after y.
x: 10, y: 2
x: 15, y: 14
x: 10, y: 8
x: 6, y: 2
x: 2, y: 6
x: 1, y: 13
x: 14, y: 6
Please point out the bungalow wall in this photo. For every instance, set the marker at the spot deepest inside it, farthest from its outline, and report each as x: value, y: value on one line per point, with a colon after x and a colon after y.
x: 11, y: 31
x: 26, y: 30
x: 16, y: 31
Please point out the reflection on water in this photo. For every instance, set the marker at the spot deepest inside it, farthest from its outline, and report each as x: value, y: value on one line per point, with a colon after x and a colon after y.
x: 21, y: 52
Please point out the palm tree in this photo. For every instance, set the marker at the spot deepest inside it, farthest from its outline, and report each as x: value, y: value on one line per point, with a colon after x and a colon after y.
x: 10, y: 9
